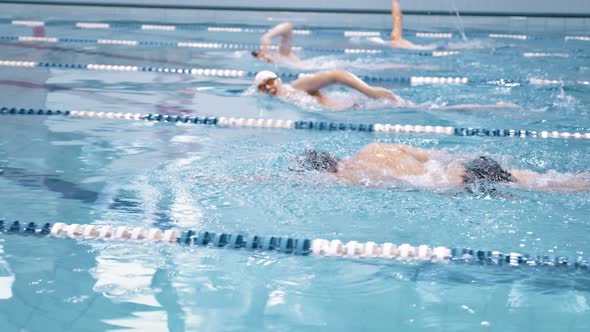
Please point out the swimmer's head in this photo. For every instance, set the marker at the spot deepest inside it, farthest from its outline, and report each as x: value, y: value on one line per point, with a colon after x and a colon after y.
x: 267, y: 82
x: 487, y: 170
x: 315, y: 161
x: 262, y: 55
x: 482, y: 174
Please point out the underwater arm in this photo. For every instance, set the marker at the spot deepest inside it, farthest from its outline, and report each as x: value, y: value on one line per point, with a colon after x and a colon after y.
x: 52, y: 183
x: 552, y: 180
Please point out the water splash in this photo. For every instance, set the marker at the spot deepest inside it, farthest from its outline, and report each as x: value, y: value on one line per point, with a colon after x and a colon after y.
x: 459, y: 21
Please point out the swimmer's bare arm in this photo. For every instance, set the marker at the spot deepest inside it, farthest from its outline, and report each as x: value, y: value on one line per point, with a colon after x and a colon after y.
x: 552, y: 180
x: 396, y: 39
x: 396, y: 15
x: 283, y: 30
x: 314, y: 82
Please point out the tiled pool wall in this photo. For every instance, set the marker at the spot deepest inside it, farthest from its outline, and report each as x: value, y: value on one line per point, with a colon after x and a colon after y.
x: 516, y: 16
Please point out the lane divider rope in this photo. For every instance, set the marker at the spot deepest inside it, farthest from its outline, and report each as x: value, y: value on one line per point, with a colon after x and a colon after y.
x: 234, y: 46
x: 217, y: 45
x: 304, y: 125
x: 172, y: 27
x: 197, y: 27
x: 124, y: 68
x: 218, y: 72
x: 294, y: 246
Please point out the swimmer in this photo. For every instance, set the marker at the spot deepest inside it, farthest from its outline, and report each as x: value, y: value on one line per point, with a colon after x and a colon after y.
x: 284, y: 54
x: 383, y: 164
x: 396, y: 39
x: 310, y: 85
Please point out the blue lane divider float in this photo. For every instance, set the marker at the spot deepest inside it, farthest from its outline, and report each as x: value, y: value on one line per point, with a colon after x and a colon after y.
x: 217, y: 45
x: 408, y: 80
x: 294, y: 246
x: 263, y: 29
x: 301, y: 125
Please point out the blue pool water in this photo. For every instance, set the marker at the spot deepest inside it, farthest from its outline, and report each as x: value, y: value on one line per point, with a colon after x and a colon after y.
x: 140, y: 174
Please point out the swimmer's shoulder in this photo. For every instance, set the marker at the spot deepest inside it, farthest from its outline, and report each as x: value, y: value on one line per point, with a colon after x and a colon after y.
x: 379, y: 147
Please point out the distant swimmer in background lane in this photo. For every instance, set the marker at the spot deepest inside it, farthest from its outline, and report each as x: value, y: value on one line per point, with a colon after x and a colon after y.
x: 309, y: 86
x: 284, y: 55
x: 396, y: 39
x: 284, y: 50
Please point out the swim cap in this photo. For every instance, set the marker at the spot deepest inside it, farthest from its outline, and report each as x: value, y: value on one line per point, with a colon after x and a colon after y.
x: 315, y: 161
x: 484, y: 169
x: 263, y: 76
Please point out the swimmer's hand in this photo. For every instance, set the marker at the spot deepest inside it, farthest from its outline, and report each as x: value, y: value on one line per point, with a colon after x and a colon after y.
x: 378, y: 92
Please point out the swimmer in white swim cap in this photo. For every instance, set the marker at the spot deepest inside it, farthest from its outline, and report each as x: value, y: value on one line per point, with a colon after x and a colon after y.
x: 265, y: 81
x: 310, y: 85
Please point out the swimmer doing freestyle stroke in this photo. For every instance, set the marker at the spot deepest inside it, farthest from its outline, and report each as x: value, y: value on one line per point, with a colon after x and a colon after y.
x: 396, y: 39
x: 310, y: 85
x: 387, y: 165
x: 284, y: 54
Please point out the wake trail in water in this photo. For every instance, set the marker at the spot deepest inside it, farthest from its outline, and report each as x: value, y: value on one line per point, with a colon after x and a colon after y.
x: 331, y: 62
x: 462, y: 45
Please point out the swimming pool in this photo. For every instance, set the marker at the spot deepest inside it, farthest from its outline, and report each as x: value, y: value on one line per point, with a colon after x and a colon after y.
x: 235, y: 180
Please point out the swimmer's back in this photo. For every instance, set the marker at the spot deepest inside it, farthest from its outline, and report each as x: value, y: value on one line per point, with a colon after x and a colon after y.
x: 379, y: 162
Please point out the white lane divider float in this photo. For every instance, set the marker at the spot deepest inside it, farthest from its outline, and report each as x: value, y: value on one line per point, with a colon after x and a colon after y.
x: 28, y: 23
x: 362, y: 34
x: 38, y: 39
x: 443, y: 35
x: 545, y: 55
x: 117, y: 42
x: 158, y: 27
x: 579, y: 38
x: 507, y: 36
x: 89, y: 25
